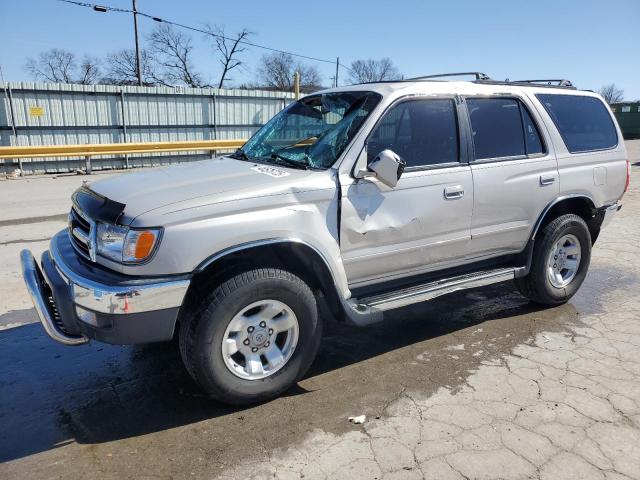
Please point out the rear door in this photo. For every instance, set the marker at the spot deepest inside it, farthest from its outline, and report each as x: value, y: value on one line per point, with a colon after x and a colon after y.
x: 515, y: 173
x: 424, y: 222
x: 591, y: 155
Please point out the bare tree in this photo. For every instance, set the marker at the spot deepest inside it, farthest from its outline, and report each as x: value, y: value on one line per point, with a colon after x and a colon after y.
x: 89, y: 71
x: 310, y: 78
x: 60, y: 66
x: 373, y: 70
x: 228, y: 50
x: 276, y: 71
x: 55, y: 65
x: 172, y: 50
x: 121, y: 68
x: 611, y: 93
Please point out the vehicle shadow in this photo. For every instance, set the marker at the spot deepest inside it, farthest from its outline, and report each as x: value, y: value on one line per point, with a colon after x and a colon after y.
x: 54, y: 395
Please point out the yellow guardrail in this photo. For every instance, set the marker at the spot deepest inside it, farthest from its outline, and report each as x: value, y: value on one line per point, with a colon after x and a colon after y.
x: 116, y: 148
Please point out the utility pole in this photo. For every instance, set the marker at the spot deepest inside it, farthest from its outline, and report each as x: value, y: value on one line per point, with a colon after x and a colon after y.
x: 337, y: 67
x: 296, y: 84
x: 135, y: 28
x: 11, y: 116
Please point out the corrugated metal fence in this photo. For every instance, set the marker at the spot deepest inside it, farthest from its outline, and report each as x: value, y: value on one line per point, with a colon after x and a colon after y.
x: 59, y: 114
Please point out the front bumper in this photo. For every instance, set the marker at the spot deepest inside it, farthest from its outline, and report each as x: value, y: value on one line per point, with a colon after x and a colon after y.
x: 77, y: 301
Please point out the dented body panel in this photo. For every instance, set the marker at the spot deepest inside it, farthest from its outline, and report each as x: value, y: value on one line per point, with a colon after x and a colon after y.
x: 412, y: 228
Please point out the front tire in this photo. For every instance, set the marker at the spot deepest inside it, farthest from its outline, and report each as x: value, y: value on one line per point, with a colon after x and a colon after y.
x: 561, y: 258
x: 253, y: 337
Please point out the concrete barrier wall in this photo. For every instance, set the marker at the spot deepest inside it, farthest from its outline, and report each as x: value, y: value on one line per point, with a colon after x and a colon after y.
x: 59, y: 114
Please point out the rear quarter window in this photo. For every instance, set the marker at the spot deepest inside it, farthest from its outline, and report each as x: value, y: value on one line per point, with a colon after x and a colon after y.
x: 583, y: 122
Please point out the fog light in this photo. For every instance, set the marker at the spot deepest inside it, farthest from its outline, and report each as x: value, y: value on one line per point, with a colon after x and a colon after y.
x: 87, y: 316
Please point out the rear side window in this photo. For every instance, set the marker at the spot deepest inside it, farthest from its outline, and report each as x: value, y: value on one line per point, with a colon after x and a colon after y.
x: 502, y: 127
x: 584, y: 122
x: 422, y: 132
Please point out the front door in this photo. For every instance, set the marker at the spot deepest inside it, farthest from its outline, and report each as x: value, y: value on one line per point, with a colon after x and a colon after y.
x: 424, y: 222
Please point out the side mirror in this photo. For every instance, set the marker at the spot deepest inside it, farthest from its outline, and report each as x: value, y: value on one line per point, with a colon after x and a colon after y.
x: 386, y: 167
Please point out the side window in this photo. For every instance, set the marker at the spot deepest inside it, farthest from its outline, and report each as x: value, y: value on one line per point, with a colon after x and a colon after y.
x: 496, y: 127
x: 502, y: 127
x: 532, y: 136
x: 583, y: 122
x: 389, y: 131
x: 422, y: 132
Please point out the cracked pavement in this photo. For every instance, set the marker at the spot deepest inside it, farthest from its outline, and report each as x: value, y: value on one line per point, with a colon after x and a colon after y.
x: 475, y: 385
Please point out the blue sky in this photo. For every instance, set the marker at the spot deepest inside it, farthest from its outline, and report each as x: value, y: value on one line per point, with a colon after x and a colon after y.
x: 590, y: 42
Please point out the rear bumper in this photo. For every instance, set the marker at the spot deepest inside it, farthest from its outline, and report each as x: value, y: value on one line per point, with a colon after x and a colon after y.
x: 77, y: 301
x: 609, y: 213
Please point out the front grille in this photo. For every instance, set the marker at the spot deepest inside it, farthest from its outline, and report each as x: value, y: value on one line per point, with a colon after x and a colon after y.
x: 80, y: 233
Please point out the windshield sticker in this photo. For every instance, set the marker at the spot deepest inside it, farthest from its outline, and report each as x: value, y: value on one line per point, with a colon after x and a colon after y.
x: 271, y: 171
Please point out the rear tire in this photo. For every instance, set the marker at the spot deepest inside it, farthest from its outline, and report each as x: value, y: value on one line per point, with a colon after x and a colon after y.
x: 561, y: 257
x: 253, y: 337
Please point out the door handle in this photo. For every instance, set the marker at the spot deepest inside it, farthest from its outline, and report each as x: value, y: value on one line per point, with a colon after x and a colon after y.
x: 453, y: 192
x: 547, y: 179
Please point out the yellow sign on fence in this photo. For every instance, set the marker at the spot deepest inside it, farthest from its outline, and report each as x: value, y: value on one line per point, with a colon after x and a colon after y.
x: 36, y: 111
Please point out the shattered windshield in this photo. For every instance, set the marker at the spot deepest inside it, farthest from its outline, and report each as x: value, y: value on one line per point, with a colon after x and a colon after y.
x: 312, y: 132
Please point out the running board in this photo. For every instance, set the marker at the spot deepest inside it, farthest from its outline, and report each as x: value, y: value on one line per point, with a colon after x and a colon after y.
x: 367, y: 310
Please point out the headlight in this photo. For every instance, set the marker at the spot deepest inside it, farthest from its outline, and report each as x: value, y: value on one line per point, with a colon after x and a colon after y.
x: 110, y: 241
x: 125, y: 245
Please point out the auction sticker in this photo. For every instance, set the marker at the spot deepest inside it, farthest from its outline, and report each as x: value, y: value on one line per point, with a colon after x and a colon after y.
x: 271, y: 171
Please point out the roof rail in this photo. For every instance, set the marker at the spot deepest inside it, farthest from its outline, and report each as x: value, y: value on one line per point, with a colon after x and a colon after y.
x: 478, y: 75
x: 483, y: 78
x: 531, y: 83
x: 560, y: 82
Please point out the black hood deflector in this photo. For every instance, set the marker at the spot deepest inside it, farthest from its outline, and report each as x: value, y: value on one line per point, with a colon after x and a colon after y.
x: 96, y: 206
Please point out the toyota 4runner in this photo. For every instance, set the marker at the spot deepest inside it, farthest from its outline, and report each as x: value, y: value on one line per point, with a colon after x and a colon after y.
x: 367, y: 198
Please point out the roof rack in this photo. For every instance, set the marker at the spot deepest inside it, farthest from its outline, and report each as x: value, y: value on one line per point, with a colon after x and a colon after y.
x: 561, y: 82
x: 556, y: 83
x: 483, y: 78
x: 478, y: 75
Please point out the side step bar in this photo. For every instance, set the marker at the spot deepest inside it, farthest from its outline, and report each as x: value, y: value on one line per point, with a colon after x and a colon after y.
x: 367, y: 310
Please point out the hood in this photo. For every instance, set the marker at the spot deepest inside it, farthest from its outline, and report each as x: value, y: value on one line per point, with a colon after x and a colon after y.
x: 196, y: 183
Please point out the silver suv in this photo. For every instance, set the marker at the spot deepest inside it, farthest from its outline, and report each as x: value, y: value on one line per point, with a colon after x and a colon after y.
x: 366, y: 198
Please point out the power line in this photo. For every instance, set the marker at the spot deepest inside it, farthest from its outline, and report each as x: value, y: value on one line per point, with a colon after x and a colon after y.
x: 105, y: 8
x: 99, y: 8
x: 187, y: 27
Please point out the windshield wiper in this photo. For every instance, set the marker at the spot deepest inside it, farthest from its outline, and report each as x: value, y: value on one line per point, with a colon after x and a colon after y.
x: 282, y: 160
x: 240, y: 154
x: 301, y: 142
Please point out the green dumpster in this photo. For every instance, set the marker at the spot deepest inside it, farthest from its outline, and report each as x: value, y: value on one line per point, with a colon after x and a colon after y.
x: 628, y: 116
